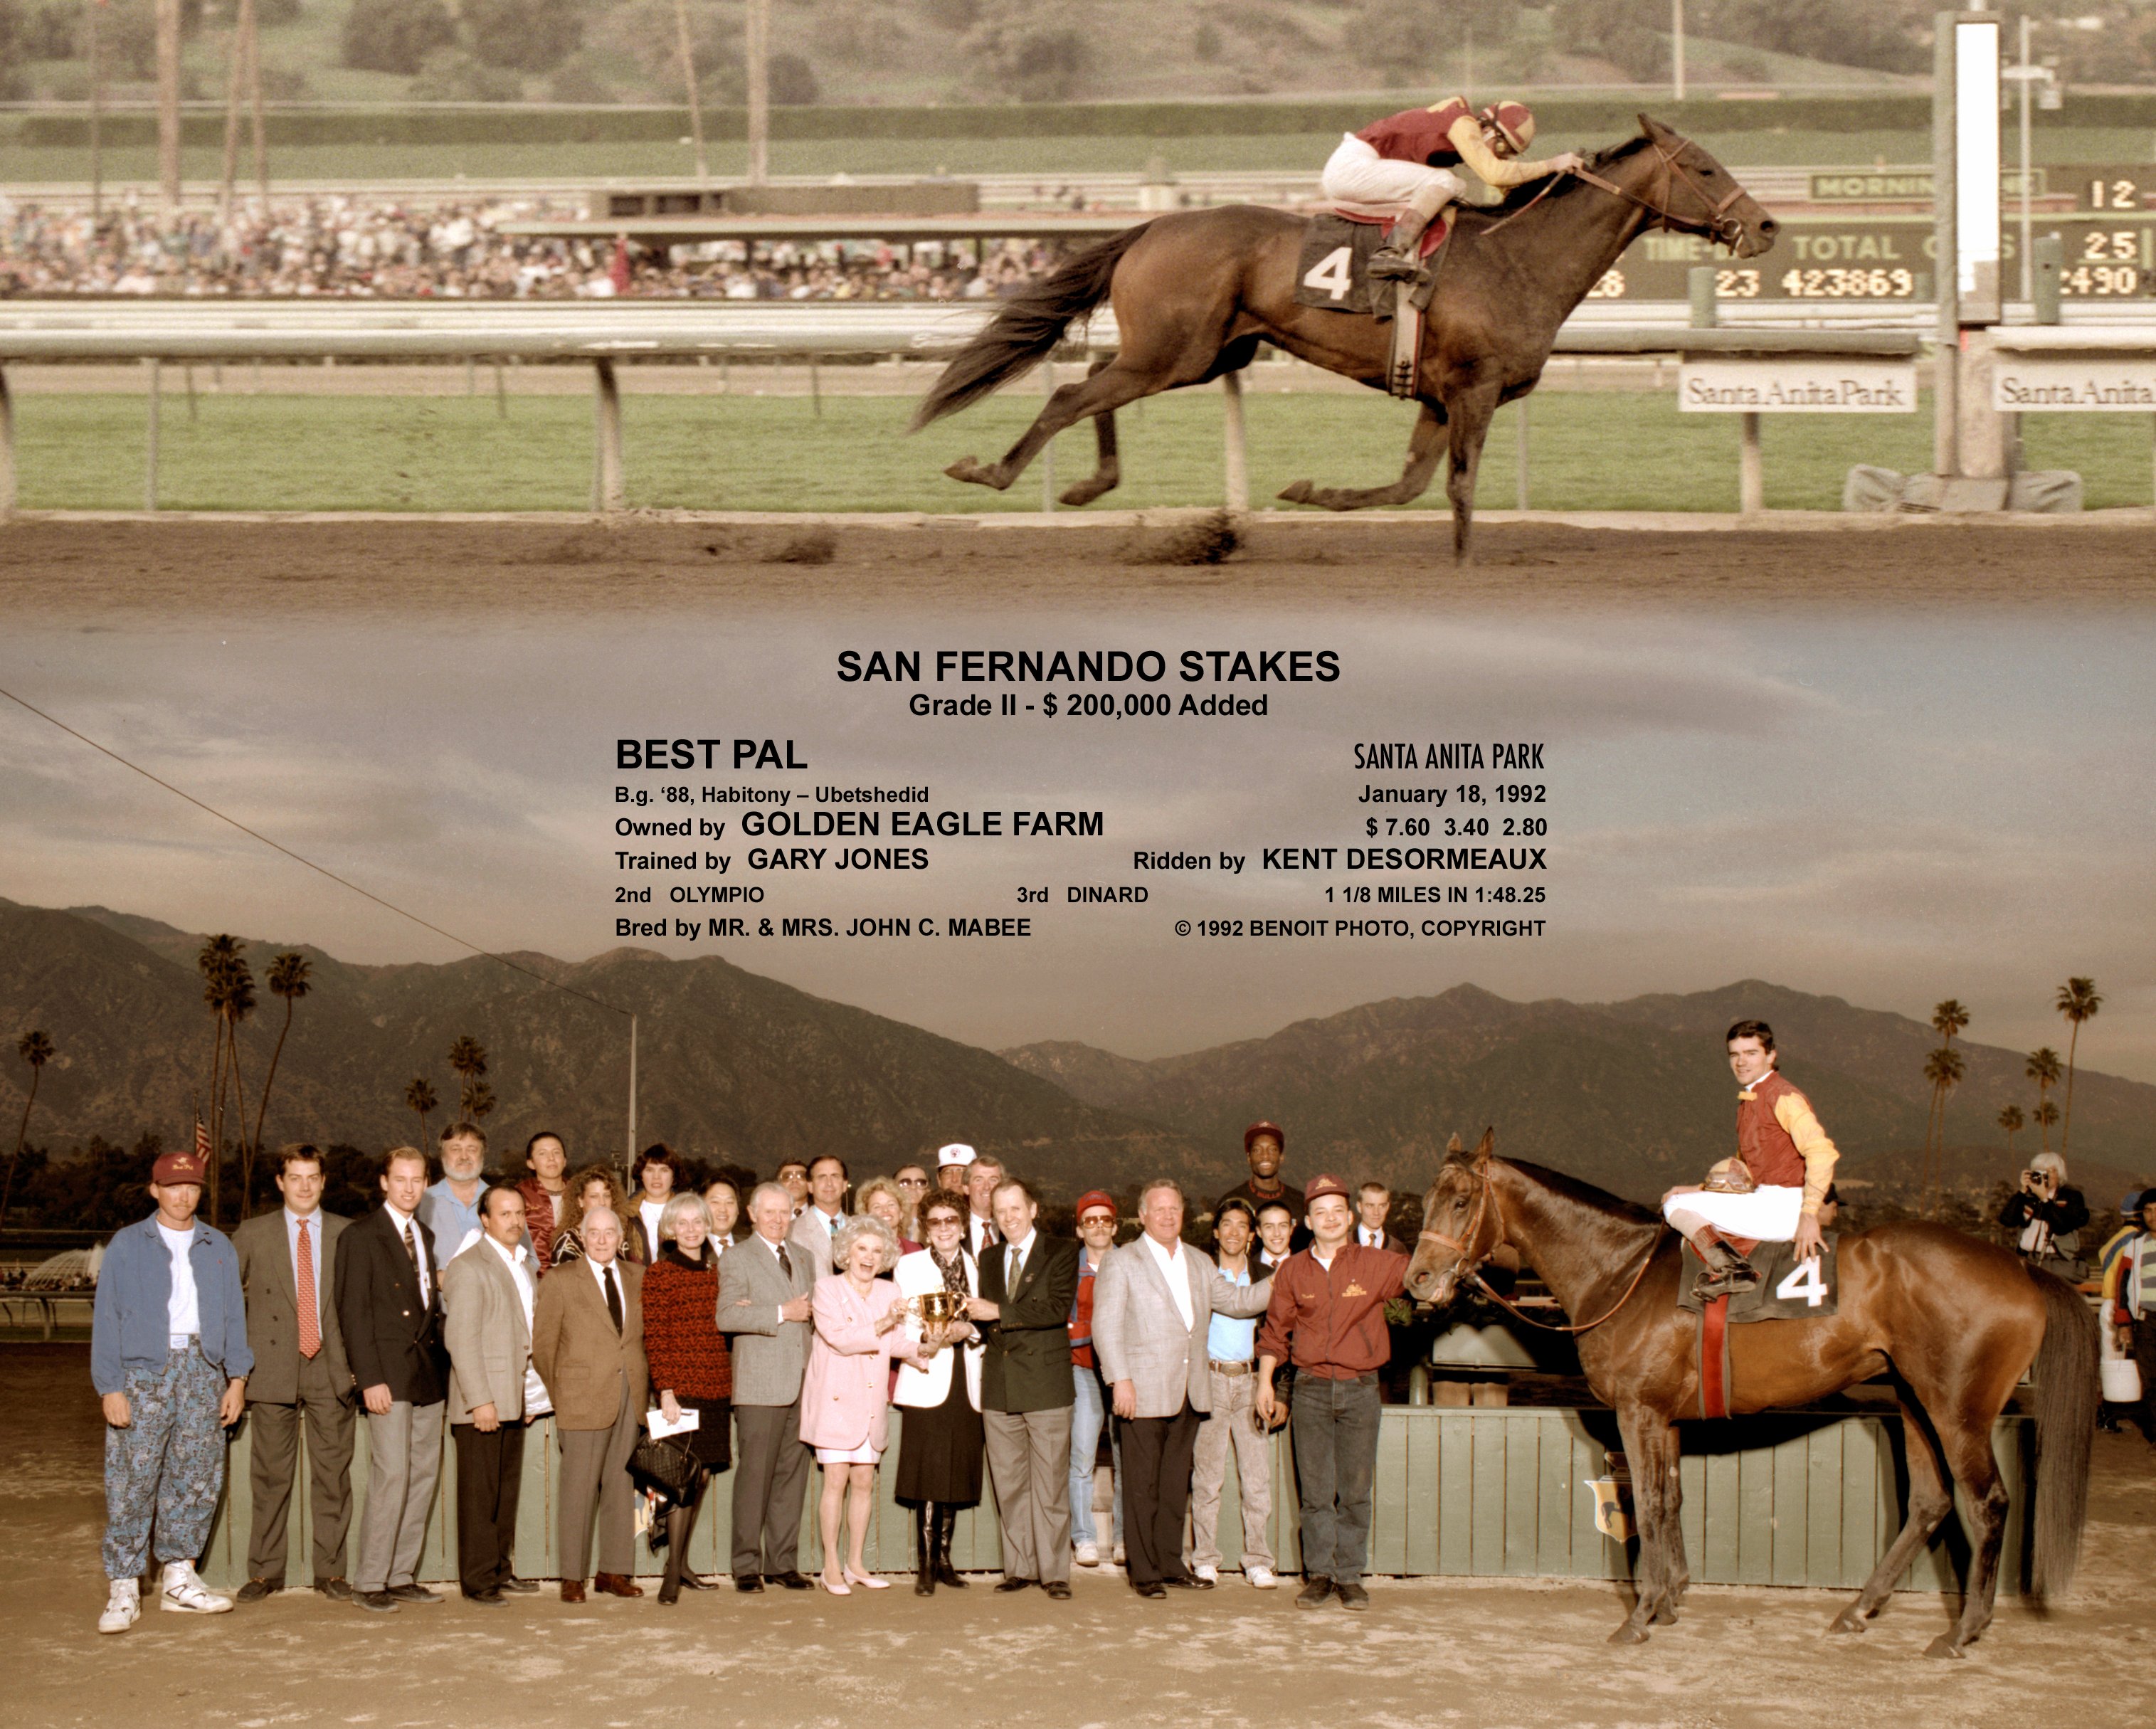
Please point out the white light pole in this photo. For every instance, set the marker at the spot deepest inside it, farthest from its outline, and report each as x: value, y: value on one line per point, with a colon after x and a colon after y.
x: 2027, y: 76
x: 1677, y: 50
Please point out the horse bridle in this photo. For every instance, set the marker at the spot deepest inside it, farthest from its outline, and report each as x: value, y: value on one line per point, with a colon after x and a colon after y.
x: 1466, y: 1269
x: 1720, y: 225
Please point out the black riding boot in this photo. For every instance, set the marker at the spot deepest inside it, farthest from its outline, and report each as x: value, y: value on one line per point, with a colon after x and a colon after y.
x: 677, y: 1534
x: 946, y: 1518
x: 924, y: 1549
x: 1395, y: 261
x: 679, y: 1543
x: 1725, y: 1271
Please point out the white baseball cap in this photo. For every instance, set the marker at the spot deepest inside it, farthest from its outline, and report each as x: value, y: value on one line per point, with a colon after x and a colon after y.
x: 957, y: 1153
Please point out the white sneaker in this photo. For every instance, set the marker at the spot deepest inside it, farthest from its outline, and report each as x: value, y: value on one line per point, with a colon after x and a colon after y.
x: 183, y: 1590
x: 1211, y: 1575
x: 1088, y: 1555
x: 1260, y: 1577
x: 123, y: 1608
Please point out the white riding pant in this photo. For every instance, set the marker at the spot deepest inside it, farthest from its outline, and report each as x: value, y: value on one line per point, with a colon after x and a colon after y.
x: 1356, y: 174
x: 1771, y: 1214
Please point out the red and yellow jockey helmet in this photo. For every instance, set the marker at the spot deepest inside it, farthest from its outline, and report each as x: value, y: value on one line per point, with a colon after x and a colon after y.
x: 1515, y: 123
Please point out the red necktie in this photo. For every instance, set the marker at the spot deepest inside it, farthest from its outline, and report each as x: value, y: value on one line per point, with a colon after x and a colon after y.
x: 311, y: 1320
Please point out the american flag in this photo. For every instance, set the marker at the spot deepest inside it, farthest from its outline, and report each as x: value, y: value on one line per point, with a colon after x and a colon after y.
x: 202, y: 1143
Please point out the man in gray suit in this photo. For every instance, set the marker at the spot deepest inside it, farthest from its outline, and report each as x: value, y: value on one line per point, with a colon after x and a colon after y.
x: 489, y: 1294
x: 816, y: 1227
x: 1153, y: 1303
x: 764, y: 1286
x: 301, y: 1374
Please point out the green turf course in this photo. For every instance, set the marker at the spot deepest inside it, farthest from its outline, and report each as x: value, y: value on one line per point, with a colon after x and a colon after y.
x: 1590, y: 451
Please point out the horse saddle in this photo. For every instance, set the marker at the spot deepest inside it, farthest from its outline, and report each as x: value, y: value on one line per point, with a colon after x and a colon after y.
x: 1333, y: 269
x: 1789, y: 1289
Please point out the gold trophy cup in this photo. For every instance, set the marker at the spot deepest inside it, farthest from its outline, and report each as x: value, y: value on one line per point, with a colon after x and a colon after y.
x: 937, y: 1310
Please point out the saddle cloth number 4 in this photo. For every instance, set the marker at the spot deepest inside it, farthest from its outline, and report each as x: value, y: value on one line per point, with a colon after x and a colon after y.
x: 1803, y: 1280
x: 1333, y: 274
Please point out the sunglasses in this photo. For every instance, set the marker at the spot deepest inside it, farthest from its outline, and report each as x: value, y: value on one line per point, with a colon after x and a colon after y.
x: 913, y: 1182
x: 1107, y: 1218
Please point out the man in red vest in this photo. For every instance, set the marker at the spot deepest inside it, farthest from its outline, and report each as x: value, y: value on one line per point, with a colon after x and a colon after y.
x: 1786, y: 1158
x: 1408, y: 158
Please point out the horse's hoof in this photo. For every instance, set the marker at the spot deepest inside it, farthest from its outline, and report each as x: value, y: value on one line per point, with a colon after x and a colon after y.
x: 1848, y: 1621
x: 1298, y: 493
x: 966, y: 467
x: 1084, y: 492
x: 1944, y: 1646
x: 1666, y: 1616
x: 1627, y: 1634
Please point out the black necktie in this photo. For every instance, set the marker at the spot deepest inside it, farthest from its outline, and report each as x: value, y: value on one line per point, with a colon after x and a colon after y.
x: 613, y: 1297
x: 785, y: 1265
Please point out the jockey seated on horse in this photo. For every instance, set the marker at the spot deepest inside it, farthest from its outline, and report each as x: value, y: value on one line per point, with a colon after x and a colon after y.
x: 1772, y: 1190
x: 1409, y: 158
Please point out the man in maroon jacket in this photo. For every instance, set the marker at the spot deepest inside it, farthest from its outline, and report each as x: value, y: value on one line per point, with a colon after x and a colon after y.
x: 1328, y: 1317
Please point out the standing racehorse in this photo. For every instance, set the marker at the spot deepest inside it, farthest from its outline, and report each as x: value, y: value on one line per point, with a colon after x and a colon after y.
x: 1957, y: 1322
x: 1194, y: 293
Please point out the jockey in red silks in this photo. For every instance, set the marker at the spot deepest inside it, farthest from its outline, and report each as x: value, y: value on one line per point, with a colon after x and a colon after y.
x: 1409, y: 158
x: 1788, y: 1165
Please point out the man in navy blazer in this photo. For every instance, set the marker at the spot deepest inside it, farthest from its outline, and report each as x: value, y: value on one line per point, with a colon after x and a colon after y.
x: 389, y: 1308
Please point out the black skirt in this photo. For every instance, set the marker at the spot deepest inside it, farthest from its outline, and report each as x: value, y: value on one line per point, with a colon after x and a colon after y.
x: 713, y: 1439
x: 941, y: 1447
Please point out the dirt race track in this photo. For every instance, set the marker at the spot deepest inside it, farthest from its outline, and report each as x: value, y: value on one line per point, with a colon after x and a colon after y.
x: 138, y: 569
x: 1427, y: 1653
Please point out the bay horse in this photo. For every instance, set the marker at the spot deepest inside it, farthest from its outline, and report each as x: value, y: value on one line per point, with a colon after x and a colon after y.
x: 1194, y: 293
x: 1957, y: 1322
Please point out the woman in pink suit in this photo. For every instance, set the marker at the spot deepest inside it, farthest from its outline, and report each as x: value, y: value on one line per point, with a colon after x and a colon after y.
x: 845, y: 1395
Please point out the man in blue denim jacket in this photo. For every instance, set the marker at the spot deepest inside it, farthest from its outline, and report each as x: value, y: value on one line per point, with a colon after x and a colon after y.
x: 169, y: 1356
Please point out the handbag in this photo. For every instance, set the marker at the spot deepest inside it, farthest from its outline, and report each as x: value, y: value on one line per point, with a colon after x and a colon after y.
x: 667, y: 1466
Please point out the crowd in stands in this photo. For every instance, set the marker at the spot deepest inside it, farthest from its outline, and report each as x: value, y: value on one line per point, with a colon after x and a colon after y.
x: 348, y: 247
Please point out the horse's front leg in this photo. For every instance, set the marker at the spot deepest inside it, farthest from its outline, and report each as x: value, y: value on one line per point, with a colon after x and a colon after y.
x: 1425, y: 445
x: 1469, y: 412
x: 1650, y: 1456
x: 1108, y: 472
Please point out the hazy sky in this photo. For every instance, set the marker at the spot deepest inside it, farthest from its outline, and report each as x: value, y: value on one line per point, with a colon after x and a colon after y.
x: 1886, y: 809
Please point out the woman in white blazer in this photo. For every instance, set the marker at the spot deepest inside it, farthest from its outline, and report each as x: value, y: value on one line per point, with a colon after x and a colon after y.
x: 939, y: 1463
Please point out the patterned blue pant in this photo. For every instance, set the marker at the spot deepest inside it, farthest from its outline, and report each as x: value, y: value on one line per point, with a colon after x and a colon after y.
x: 167, y: 1464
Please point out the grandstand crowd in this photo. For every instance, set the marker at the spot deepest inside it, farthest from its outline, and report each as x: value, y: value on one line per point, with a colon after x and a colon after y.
x: 353, y: 247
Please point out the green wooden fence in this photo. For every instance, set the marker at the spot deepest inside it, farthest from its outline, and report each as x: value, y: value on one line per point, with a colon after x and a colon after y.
x: 1785, y: 1500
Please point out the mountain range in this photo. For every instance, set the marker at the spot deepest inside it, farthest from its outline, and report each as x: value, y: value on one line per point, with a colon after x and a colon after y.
x: 1631, y: 1096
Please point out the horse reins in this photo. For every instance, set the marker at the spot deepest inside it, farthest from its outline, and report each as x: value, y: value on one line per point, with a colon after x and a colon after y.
x: 1484, y: 1201
x: 1720, y: 225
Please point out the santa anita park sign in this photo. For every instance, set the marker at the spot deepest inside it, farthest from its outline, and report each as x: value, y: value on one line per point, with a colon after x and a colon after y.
x: 1797, y: 387
x: 2060, y: 384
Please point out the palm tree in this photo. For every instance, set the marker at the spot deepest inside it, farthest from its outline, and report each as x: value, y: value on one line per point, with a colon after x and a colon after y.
x: 2012, y: 1120
x: 36, y: 1049
x: 2077, y: 1000
x: 468, y: 1058
x: 228, y: 990
x: 1947, y: 1019
x: 2044, y: 1068
x: 287, y: 978
x: 1943, y: 1067
x: 480, y: 1102
x: 419, y: 1097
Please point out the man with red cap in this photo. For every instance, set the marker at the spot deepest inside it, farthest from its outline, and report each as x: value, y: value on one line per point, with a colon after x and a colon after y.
x: 1328, y: 1317
x: 170, y: 1359
x: 1097, y: 1219
x: 1408, y: 158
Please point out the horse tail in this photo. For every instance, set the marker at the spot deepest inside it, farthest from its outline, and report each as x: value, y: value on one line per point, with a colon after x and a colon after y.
x: 2065, y: 1372
x: 1028, y: 328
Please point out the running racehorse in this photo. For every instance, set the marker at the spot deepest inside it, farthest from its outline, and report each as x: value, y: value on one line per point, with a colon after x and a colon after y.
x: 1956, y: 1321
x: 1195, y: 292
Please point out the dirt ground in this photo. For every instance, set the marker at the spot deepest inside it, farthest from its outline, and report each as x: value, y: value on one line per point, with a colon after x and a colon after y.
x: 1427, y: 1653
x: 138, y: 570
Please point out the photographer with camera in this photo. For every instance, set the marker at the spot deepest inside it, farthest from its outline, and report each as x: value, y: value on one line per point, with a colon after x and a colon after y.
x: 2047, y: 1213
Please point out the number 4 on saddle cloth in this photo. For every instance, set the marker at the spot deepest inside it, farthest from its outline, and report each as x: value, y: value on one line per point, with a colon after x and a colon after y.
x: 1333, y: 270
x: 1789, y: 1289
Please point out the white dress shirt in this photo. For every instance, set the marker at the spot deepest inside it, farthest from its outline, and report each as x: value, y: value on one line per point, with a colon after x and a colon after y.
x: 314, y: 1246
x: 1012, y: 1273
x: 601, y: 1273
x: 183, y: 1308
x: 1176, y: 1271
x: 980, y: 1235
x: 1369, y: 1238
x: 407, y: 1226
x: 650, y: 1211
x: 536, y: 1402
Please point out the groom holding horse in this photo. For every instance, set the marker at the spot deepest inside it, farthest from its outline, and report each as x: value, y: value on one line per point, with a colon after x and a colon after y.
x: 1772, y: 1190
